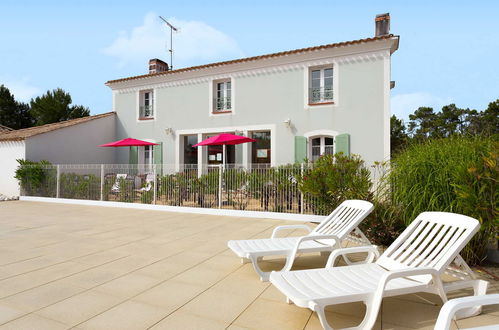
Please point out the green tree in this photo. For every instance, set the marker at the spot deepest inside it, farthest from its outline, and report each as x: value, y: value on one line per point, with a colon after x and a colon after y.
x: 55, y: 106
x: 13, y: 114
x: 490, y: 119
x: 398, y: 135
x: 423, y: 123
x: 451, y: 120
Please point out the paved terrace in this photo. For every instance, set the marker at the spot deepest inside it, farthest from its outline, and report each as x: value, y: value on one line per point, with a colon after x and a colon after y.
x: 66, y: 266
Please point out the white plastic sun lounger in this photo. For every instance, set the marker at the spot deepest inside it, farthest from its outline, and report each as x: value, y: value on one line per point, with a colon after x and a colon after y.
x: 452, y: 306
x: 413, y: 263
x: 326, y: 237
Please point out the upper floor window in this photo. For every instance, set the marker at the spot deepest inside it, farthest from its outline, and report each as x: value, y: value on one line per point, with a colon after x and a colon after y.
x: 321, y: 146
x: 222, y: 100
x: 320, y: 85
x: 146, y: 104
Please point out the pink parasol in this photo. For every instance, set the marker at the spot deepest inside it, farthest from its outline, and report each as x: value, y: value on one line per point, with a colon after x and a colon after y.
x: 128, y: 142
x: 224, y: 139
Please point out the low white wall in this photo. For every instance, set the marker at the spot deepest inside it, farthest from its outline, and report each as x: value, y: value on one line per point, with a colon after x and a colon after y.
x: 182, y: 209
x: 76, y: 144
x: 9, y: 152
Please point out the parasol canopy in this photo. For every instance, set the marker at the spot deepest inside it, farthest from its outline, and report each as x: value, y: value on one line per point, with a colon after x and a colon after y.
x: 128, y: 142
x: 224, y: 139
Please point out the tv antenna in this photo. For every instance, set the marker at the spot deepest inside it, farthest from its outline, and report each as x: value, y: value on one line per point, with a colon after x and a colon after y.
x: 172, y: 28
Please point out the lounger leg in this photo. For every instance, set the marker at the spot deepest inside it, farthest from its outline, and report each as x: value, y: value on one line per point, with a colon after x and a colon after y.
x: 321, y: 313
x: 479, y: 288
x: 264, y: 276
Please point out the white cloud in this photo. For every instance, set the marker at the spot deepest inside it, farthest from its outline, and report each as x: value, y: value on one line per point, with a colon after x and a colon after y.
x: 195, y: 43
x: 21, y: 88
x: 403, y: 105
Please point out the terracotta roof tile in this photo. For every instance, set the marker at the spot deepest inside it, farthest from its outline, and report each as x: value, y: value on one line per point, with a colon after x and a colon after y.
x: 22, y: 134
x: 255, y: 58
x: 4, y: 129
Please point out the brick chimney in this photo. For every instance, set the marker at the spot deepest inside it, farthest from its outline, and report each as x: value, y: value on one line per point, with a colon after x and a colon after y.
x: 156, y: 65
x: 382, y: 22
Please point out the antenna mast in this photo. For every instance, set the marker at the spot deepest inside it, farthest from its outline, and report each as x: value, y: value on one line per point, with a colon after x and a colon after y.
x: 172, y: 28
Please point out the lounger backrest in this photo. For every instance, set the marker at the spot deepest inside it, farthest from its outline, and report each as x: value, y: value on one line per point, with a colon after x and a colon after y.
x: 344, y: 219
x: 433, y: 240
x: 116, y: 184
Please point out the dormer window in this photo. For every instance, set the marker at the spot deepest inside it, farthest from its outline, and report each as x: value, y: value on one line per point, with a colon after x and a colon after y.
x: 146, y: 108
x: 222, y: 100
x: 320, y: 86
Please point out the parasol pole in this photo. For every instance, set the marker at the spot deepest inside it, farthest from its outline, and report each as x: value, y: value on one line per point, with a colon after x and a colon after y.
x: 223, y: 157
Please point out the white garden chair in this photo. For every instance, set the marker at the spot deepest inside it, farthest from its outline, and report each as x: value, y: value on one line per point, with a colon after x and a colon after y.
x: 412, y: 264
x: 450, y: 308
x: 116, y: 186
x: 327, y: 236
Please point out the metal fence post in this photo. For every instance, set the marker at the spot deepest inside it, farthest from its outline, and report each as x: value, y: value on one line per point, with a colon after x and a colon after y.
x: 219, y: 186
x: 101, y: 182
x: 301, y: 192
x: 154, y: 184
x: 58, y: 186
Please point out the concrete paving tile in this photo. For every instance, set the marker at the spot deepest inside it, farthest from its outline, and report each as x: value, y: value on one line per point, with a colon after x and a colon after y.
x: 478, y: 321
x: 42, y: 296
x: 36, y: 278
x: 32, y: 322
x: 187, y: 321
x: 170, y: 295
x: 409, y: 314
x: 128, y: 315
x: 338, y: 321
x: 8, y: 313
x: 218, y: 305
x: 128, y: 286
x: 79, y: 308
x: 272, y: 315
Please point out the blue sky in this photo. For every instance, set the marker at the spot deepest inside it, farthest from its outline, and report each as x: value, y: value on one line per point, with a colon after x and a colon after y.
x: 448, y: 52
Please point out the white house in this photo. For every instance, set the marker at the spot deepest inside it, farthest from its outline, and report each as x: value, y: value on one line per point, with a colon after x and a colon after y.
x: 297, y: 104
x: 69, y: 142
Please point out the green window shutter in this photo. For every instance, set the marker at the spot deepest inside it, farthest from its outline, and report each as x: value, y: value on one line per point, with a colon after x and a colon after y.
x: 133, y: 157
x: 343, y: 144
x: 300, y: 149
x: 158, y: 156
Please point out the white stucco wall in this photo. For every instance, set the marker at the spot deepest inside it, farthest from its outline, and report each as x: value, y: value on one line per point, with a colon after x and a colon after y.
x: 76, y: 144
x: 9, y: 152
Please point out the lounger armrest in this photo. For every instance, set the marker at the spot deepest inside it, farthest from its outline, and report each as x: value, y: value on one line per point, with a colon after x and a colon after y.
x: 372, y: 251
x: 374, y: 302
x: 452, y: 306
x: 289, y: 227
x: 291, y: 257
x: 393, y: 274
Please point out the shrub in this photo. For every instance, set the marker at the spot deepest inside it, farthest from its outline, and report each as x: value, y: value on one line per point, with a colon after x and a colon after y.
x: 36, y: 178
x: 455, y: 174
x: 78, y: 186
x: 333, y: 179
x: 147, y: 197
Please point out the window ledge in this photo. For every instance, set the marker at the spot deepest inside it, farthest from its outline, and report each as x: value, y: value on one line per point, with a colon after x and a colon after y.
x: 146, y: 118
x: 320, y: 103
x: 221, y: 112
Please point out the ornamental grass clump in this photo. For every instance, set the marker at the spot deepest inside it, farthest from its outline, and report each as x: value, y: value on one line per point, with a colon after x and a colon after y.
x: 457, y: 174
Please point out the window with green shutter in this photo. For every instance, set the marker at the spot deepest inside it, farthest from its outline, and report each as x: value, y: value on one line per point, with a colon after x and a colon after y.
x: 343, y: 144
x: 133, y: 156
x: 300, y: 149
